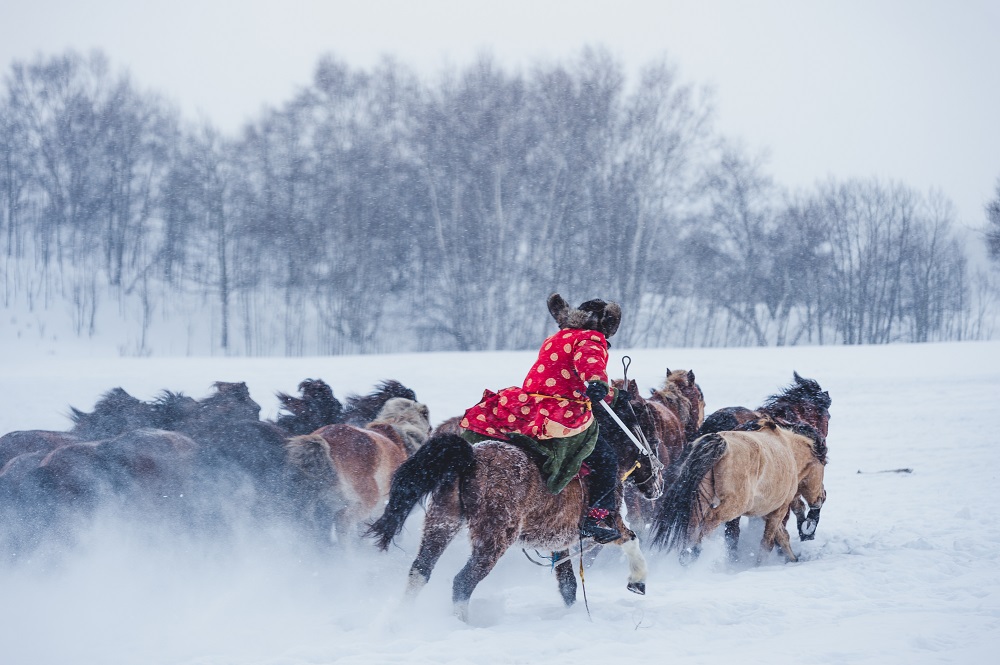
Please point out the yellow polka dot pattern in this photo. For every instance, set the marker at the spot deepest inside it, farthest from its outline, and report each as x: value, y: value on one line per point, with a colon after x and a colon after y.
x: 552, y: 401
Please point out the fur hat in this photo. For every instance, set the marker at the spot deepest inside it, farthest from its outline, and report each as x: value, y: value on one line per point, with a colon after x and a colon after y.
x: 596, y: 314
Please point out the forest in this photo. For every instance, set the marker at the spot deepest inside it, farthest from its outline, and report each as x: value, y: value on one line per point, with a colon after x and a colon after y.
x: 379, y: 211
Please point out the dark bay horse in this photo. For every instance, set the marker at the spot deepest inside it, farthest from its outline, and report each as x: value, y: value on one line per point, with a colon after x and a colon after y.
x: 676, y: 409
x: 496, y: 490
x: 315, y: 408
x: 802, y: 402
x: 756, y: 472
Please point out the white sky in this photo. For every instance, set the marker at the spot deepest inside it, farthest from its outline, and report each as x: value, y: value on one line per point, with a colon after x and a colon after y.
x: 900, y: 89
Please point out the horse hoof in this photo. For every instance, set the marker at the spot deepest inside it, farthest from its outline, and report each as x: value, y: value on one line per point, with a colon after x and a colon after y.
x: 637, y: 587
x: 689, y: 555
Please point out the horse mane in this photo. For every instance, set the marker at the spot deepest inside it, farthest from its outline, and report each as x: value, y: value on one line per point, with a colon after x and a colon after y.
x: 114, y: 413
x: 802, y: 390
x: 363, y: 409
x: 317, y: 407
x: 174, y: 408
x: 816, y: 439
x: 671, y: 396
x: 409, y: 418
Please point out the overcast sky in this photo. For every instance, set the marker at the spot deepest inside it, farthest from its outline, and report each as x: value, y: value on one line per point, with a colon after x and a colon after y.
x: 900, y: 89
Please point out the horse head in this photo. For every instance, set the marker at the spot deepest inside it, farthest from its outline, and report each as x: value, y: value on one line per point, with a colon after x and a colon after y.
x: 408, y: 417
x: 802, y: 402
x: 635, y: 444
x: 683, y: 395
x: 230, y: 403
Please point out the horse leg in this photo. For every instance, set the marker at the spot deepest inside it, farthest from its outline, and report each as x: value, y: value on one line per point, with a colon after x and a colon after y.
x: 637, y: 569
x: 565, y: 576
x: 440, y: 528
x: 484, y: 557
x: 798, y: 507
x: 733, y: 539
x: 775, y: 532
x: 808, y: 522
x: 634, y: 507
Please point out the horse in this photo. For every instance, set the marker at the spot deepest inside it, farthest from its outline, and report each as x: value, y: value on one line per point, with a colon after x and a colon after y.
x: 755, y: 472
x: 496, y: 490
x: 363, y: 409
x: 802, y: 402
x: 677, y: 410
x: 116, y: 412
x: 145, y: 471
x: 684, y: 399
x: 341, y: 473
x: 317, y: 407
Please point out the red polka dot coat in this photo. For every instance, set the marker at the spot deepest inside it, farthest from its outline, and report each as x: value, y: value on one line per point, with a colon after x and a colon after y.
x: 552, y: 402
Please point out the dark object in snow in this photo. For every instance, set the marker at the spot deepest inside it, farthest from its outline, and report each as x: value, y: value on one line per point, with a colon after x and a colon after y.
x: 904, y: 470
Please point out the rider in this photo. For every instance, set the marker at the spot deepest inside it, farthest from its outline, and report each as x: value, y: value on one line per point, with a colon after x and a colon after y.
x: 551, y: 413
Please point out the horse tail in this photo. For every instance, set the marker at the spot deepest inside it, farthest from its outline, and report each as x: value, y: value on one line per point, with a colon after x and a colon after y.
x: 446, y: 459
x: 309, y: 456
x: 672, y: 525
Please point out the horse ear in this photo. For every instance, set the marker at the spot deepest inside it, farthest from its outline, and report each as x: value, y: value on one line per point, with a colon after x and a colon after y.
x: 558, y: 308
x: 611, y: 319
x: 668, y: 371
x: 795, y: 375
x: 690, y: 376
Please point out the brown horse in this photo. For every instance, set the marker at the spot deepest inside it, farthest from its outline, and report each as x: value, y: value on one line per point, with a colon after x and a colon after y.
x: 803, y: 402
x: 497, y: 491
x: 342, y: 472
x: 677, y: 410
x: 733, y: 473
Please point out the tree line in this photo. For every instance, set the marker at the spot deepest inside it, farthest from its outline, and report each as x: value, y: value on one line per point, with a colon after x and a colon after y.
x: 380, y: 211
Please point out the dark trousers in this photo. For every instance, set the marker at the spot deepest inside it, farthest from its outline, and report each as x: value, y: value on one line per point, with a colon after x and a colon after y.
x: 602, y: 479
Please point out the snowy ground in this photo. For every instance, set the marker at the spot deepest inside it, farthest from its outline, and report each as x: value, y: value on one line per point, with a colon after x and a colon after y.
x: 904, y: 567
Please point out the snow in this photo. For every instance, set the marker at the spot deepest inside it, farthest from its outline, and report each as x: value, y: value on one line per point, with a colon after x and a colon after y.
x: 904, y: 567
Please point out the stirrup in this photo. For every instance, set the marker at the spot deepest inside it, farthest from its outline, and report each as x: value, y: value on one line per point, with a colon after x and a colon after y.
x: 595, y: 527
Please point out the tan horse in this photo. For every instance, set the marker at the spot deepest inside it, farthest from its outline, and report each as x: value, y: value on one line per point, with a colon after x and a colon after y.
x: 734, y: 473
x: 802, y: 402
x: 342, y: 472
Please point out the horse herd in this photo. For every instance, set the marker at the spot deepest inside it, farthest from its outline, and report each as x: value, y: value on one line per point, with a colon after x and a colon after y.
x: 357, y: 469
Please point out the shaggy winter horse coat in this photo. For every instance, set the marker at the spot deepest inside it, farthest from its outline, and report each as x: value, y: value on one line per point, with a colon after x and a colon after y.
x: 497, y: 491
x: 342, y: 472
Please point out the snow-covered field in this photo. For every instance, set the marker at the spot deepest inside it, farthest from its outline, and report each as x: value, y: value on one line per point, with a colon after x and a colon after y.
x: 905, y: 567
